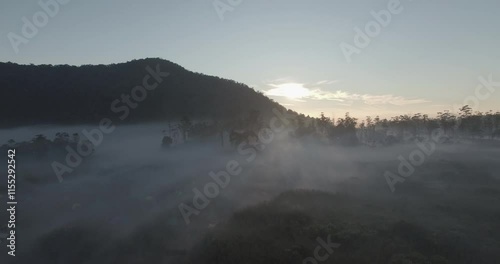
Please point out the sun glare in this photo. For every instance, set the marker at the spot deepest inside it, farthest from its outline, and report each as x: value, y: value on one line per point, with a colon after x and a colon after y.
x: 289, y: 90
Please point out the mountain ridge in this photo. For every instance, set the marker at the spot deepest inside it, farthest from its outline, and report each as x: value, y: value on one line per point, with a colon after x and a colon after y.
x: 69, y: 94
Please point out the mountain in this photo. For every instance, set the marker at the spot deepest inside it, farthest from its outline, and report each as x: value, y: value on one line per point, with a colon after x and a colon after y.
x: 64, y: 94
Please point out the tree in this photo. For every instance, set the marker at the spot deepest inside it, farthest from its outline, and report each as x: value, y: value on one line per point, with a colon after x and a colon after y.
x: 40, y: 145
x: 324, y: 124
x: 185, y: 126
x: 345, y: 130
x: 447, y: 121
x: 62, y: 138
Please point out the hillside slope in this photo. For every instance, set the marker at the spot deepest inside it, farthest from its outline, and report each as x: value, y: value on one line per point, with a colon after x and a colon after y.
x: 63, y: 94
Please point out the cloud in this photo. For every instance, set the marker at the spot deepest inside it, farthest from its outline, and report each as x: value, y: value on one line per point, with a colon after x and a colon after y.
x: 326, y: 82
x: 298, y: 92
x: 390, y: 99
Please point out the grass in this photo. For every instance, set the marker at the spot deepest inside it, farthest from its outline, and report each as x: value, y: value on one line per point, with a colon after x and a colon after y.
x: 285, y: 231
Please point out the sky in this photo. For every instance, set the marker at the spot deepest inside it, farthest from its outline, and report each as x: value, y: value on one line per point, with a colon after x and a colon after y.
x: 365, y: 57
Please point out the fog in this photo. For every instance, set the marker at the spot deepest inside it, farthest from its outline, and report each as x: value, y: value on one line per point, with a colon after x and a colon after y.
x: 130, y: 183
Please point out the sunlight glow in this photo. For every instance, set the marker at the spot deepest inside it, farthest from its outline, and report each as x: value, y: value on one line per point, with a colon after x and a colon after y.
x: 290, y: 90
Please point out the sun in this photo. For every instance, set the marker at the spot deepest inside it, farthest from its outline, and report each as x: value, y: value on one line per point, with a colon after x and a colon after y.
x: 290, y: 90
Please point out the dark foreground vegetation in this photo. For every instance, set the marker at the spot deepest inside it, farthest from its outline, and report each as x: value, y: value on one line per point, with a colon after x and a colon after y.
x: 286, y: 230
x: 446, y: 212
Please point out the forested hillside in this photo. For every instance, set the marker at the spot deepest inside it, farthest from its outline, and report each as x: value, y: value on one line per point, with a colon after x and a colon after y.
x: 63, y: 94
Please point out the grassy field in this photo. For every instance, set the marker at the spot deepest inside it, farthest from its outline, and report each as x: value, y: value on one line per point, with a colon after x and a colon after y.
x: 286, y: 201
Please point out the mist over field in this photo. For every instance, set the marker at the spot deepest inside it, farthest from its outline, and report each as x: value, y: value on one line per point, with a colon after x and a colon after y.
x: 127, y: 194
